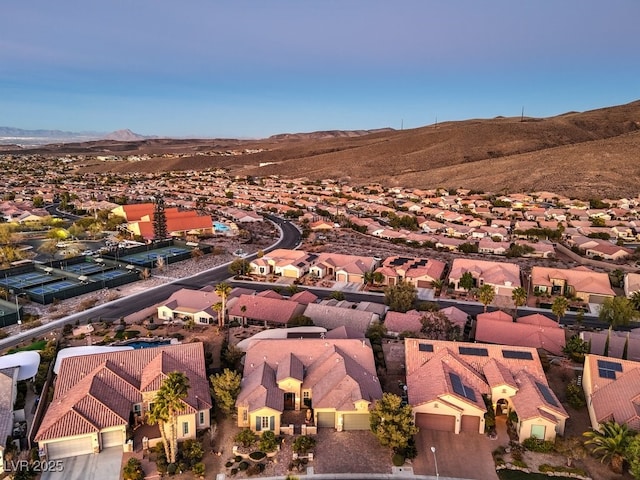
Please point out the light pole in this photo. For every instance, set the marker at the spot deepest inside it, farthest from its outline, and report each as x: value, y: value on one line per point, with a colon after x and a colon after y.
x: 18, y: 308
x: 435, y: 460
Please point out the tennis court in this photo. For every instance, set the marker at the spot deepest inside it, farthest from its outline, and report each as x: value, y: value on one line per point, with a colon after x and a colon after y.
x: 84, y: 268
x: 143, y: 258
x: 52, y: 287
x: 26, y: 280
x: 109, y: 274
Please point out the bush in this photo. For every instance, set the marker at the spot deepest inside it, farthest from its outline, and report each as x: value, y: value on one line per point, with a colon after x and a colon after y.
x: 397, y: 459
x: 520, y: 464
x: 575, y: 395
x: 243, y: 466
x: 546, y: 468
x: 255, y: 469
x: 198, y: 469
x: 268, y: 441
x: 303, y: 444
x: 246, y: 438
x: 172, y: 468
x: 536, y: 445
x: 133, y: 470
x: 257, y: 456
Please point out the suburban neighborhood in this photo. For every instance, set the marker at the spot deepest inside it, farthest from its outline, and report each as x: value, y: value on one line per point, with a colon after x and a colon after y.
x: 403, y: 327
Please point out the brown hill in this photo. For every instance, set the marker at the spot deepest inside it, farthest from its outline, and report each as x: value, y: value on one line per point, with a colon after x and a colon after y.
x: 588, y: 154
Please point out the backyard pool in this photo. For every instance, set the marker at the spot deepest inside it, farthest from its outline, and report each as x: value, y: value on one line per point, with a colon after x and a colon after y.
x: 136, y: 344
x: 220, y: 227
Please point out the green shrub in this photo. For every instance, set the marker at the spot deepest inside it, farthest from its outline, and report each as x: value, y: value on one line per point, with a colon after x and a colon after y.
x: 257, y: 456
x: 172, y: 468
x: 520, y: 464
x: 397, y: 459
x: 199, y: 469
x: 234, y: 471
x: 229, y: 464
x: 303, y: 444
x: 243, y: 466
x: 536, y: 445
x: 546, y: 468
x: 255, y: 469
x: 575, y: 395
x: 246, y: 438
x: 268, y: 441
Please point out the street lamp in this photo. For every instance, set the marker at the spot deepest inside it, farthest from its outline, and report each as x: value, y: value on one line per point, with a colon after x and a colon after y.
x: 18, y: 307
x: 435, y: 460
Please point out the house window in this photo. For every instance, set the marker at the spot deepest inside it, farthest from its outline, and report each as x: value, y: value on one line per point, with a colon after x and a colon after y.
x: 245, y: 415
x: 185, y: 428
x: 537, y: 431
x: 151, y: 406
x: 137, y: 408
x: 306, y: 398
x: 203, y: 320
x: 201, y: 418
x: 265, y: 423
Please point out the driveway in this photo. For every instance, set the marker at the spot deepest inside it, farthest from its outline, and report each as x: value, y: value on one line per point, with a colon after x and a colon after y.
x: 466, y: 455
x: 105, y: 465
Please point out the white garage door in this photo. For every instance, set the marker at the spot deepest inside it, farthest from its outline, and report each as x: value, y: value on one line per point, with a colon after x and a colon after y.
x: 356, y: 421
x: 69, y: 448
x: 112, y: 439
x: 327, y: 419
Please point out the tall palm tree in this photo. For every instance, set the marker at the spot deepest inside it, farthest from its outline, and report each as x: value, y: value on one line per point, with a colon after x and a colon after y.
x: 559, y: 307
x: 519, y: 297
x: 167, y: 405
x: 610, y: 444
x: 223, y: 290
x: 217, y: 307
x: 486, y: 294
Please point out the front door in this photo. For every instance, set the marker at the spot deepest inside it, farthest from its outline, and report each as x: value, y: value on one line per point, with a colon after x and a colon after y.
x: 289, y: 401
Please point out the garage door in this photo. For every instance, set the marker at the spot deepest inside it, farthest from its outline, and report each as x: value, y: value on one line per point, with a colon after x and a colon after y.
x: 112, y: 439
x: 327, y: 419
x: 356, y: 421
x: 470, y: 423
x: 444, y: 423
x: 69, y: 448
x: 424, y: 284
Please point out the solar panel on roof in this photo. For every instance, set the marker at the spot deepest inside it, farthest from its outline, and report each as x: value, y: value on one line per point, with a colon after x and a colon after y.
x: 546, y: 393
x: 461, y: 389
x: 605, y: 373
x: 615, y: 366
x: 517, y: 354
x: 425, y: 347
x: 478, y: 352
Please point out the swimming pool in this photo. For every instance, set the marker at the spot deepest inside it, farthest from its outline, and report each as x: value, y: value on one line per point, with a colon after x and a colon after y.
x: 146, y: 343
x: 220, y: 227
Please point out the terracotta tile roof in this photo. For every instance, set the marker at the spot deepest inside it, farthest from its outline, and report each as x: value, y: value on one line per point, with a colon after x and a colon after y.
x: 403, y: 322
x: 615, y: 398
x: 262, y: 308
x: 581, y: 278
x: 331, y: 317
x: 550, y: 337
x: 97, y: 391
x: 534, y: 398
x: 338, y: 371
x: 305, y: 297
x: 455, y: 315
x: 191, y: 301
x: 494, y: 273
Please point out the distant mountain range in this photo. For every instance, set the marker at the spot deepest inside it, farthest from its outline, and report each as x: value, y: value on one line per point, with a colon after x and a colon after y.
x: 27, y: 138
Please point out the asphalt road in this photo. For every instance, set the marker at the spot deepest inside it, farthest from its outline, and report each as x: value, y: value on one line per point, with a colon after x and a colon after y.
x: 289, y: 238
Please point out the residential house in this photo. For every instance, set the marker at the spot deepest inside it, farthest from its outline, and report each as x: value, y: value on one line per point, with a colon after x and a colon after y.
x: 488, y: 246
x: 612, y: 390
x: 341, y: 267
x: 535, y: 331
x: 332, y: 314
x: 335, y: 378
x: 283, y: 262
x: 186, y: 304
x: 585, y: 284
x: 8, y: 395
x: 262, y: 309
x: 420, y: 272
x: 447, y: 383
x: 631, y: 284
x: 399, y: 322
x: 614, y: 343
x: 504, y: 277
x: 96, y: 396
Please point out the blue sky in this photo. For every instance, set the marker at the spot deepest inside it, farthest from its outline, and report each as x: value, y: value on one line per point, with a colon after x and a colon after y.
x: 255, y: 68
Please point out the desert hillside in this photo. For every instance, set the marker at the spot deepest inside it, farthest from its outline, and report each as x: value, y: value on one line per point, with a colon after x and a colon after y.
x: 581, y: 154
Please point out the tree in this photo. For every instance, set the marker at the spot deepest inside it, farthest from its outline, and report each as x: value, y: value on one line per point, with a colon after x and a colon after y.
x: 576, y: 348
x: 300, y: 321
x: 635, y: 299
x: 559, y: 307
x: 223, y: 290
x: 225, y: 387
x: 337, y: 295
x: 391, y: 422
x: 239, y: 266
x: 437, y: 326
x: 133, y: 470
x: 400, y: 297
x: 159, y: 220
x: 610, y: 444
x: 519, y: 297
x: 617, y: 311
x: 376, y: 332
x: 437, y: 284
x: 167, y: 404
x: 467, y: 281
x: 633, y: 456
x: 486, y: 294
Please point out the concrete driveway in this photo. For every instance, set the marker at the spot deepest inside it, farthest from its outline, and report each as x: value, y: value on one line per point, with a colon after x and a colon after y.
x: 106, y: 465
x: 465, y: 456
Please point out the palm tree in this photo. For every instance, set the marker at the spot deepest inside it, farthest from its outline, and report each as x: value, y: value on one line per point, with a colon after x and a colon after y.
x: 519, y: 297
x: 559, y: 307
x: 635, y: 299
x: 437, y: 284
x: 486, y: 294
x: 610, y: 444
x: 218, y: 309
x: 223, y: 290
x: 167, y: 405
